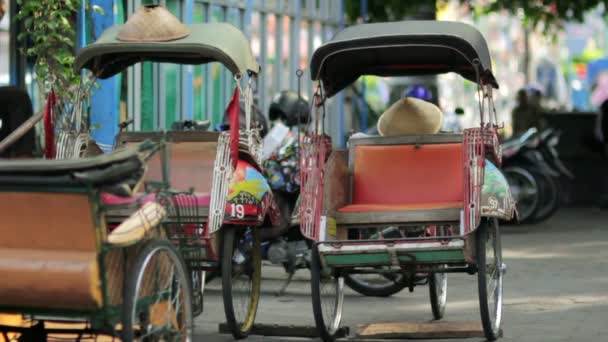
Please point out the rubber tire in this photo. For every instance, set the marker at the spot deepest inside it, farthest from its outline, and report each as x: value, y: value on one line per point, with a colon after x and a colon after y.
x: 197, y: 308
x: 315, y: 281
x: 549, y: 200
x: 436, y: 307
x: 229, y: 236
x: 128, y: 333
x: 520, y: 169
x: 387, y: 291
x: 482, y: 233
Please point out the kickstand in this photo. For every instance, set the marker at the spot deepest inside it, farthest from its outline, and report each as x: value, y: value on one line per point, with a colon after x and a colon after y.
x: 285, y: 284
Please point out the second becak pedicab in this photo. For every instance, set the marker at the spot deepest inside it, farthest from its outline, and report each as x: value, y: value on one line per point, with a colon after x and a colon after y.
x: 442, y: 193
x: 220, y: 196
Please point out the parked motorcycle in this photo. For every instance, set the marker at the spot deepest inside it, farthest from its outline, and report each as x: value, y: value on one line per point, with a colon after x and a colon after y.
x: 532, y: 167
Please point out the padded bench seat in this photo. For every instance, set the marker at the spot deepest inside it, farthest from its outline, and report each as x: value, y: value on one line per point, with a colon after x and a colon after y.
x: 409, y: 179
x: 120, y: 208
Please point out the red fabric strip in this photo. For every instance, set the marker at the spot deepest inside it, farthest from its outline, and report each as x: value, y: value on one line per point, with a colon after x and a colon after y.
x: 49, y: 126
x: 233, y: 117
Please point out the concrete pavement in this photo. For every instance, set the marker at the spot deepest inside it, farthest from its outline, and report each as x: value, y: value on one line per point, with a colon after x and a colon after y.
x: 556, y: 289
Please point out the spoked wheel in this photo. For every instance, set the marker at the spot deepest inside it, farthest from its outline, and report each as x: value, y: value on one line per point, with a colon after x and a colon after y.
x: 376, y: 285
x: 489, y: 277
x: 241, y: 278
x: 157, y: 297
x: 327, y: 298
x: 438, y: 289
x: 525, y: 190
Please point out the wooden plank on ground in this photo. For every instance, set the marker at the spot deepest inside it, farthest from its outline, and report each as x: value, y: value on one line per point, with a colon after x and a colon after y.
x: 421, y: 330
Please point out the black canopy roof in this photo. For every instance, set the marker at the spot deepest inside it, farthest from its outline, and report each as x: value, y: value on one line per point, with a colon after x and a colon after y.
x: 405, y: 48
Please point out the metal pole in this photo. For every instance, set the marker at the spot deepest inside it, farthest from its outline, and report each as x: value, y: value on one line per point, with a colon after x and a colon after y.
x: 340, y: 140
x: 363, y: 106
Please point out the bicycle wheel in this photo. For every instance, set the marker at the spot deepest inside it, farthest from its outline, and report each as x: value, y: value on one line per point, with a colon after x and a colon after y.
x: 489, y: 277
x: 157, y: 296
x: 241, y: 278
x: 327, y: 298
x: 438, y: 290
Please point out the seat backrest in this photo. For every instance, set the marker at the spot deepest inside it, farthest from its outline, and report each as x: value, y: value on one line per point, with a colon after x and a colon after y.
x: 49, y: 251
x: 191, y: 157
x: 47, y: 220
x: 407, y: 173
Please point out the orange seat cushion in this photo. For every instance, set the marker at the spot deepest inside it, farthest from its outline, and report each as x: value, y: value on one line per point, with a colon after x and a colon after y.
x: 357, y: 208
x: 408, y: 174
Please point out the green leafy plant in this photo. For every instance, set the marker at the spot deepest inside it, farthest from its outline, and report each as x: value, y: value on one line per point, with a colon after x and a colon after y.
x: 49, y: 35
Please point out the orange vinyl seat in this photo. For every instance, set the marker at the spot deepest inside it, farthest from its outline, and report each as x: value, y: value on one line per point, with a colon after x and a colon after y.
x: 406, y: 178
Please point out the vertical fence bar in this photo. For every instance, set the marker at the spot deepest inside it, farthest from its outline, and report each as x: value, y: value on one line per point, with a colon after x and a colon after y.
x: 225, y: 77
x: 130, y: 76
x: 295, y: 19
x: 310, y: 10
x: 263, y: 84
x: 136, y: 84
x: 160, y: 90
x: 278, y: 66
x: 324, y: 19
x: 207, y: 78
x: 187, y: 70
x: 363, y: 108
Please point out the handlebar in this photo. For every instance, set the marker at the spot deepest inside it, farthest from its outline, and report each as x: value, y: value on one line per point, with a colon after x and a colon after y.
x: 125, y: 124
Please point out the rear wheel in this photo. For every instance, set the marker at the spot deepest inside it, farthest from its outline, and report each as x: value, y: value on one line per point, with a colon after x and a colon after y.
x: 157, y: 297
x: 327, y: 298
x: 489, y: 277
x: 525, y: 190
x: 241, y: 278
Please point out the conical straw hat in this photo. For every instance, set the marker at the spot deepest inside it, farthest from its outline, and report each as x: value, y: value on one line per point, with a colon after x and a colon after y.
x: 410, y: 116
x: 152, y: 23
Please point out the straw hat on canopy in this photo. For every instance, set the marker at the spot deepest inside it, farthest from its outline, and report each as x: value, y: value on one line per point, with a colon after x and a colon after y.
x: 410, y: 116
x: 152, y: 23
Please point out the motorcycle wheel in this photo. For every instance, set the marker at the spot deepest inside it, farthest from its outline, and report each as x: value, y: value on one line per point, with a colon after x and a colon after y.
x: 526, y: 192
x: 376, y: 285
x: 549, y: 191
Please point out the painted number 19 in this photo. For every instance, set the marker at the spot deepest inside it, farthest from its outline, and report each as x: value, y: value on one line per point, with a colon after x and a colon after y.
x: 237, y: 210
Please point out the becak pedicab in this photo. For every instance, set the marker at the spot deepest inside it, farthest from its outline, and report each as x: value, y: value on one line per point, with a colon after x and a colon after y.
x: 61, y: 263
x: 441, y: 192
x: 220, y: 198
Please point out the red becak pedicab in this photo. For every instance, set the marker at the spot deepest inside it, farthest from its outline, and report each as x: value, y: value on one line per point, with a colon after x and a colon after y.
x: 220, y: 198
x: 440, y: 192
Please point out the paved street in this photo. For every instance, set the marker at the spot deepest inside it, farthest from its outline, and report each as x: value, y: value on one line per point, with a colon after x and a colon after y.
x: 556, y: 289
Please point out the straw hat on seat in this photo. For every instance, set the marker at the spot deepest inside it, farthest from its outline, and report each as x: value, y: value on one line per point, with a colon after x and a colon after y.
x: 152, y: 23
x: 410, y: 116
